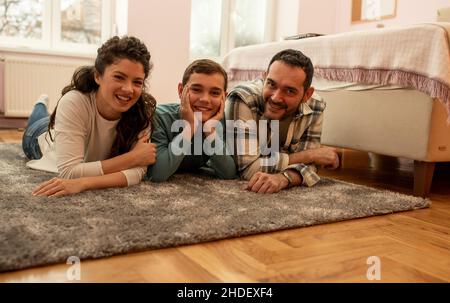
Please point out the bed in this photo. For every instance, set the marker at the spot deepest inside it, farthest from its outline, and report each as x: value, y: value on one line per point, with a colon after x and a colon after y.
x: 387, y: 90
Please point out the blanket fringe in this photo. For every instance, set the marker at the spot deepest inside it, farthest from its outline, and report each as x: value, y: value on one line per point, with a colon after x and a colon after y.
x: 244, y: 75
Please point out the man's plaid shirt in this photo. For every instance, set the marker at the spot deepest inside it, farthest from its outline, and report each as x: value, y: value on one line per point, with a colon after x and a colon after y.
x: 245, y: 102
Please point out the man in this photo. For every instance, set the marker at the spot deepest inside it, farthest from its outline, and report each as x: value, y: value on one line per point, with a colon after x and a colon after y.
x: 200, y: 144
x: 284, y: 96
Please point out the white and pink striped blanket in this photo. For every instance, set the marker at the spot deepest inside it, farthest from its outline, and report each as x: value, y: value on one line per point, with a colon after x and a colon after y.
x: 415, y: 56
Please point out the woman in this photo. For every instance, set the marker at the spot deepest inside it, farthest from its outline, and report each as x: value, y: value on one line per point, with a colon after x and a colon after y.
x: 97, y: 136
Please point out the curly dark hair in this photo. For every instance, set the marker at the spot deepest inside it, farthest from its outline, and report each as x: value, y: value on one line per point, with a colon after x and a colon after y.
x: 140, y: 116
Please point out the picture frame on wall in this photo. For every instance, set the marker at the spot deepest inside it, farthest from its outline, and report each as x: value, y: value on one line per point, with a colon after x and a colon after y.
x: 373, y: 10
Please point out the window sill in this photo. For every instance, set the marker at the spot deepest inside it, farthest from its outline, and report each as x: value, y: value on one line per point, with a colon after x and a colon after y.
x: 48, y: 52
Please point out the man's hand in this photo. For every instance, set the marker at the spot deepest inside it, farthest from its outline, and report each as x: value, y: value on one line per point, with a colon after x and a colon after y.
x: 263, y: 183
x: 325, y: 156
x: 58, y: 187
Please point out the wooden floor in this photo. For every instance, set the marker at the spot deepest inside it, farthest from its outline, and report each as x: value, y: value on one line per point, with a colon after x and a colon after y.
x: 412, y: 246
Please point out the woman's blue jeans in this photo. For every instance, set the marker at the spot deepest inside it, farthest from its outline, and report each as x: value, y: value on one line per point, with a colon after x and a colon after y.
x: 37, y: 125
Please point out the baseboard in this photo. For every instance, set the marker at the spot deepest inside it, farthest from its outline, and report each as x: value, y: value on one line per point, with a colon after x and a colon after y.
x: 6, y: 122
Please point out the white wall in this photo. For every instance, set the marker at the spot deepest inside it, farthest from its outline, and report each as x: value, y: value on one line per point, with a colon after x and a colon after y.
x: 286, y: 18
x: 164, y: 27
x: 318, y: 16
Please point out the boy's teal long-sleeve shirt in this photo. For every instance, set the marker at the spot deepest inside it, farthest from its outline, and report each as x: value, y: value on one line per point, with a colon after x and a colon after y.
x: 167, y: 162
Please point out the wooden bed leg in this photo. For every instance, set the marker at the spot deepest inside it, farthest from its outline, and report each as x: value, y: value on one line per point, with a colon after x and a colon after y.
x: 423, y: 175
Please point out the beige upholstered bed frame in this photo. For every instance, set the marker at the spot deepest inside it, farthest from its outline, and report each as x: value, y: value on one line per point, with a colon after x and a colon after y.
x: 400, y: 123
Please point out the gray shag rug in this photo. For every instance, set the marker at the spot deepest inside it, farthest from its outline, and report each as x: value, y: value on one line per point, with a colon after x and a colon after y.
x: 187, y: 209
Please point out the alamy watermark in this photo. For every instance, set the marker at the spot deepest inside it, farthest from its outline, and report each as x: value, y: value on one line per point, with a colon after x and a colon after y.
x: 374, y: 270
x: 242, y: 138
x: 73, y: 273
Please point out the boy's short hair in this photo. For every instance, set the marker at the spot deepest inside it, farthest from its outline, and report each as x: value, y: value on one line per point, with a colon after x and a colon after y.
x: 205, y: 66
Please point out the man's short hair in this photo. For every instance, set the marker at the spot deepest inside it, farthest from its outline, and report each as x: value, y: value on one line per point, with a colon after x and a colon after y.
x: 296, y: 58
x: 205, y: 66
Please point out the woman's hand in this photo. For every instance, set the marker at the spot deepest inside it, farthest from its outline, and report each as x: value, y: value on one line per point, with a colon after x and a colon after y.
x: 58, y: 187
x: 144, y: 152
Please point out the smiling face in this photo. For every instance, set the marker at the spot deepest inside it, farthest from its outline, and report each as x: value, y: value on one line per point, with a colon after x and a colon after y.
x: 206, y: 92
x: 283, y: 90
x: 120, y: 87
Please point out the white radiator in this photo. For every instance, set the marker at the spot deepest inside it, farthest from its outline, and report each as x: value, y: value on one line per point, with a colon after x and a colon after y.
x: 26, y: 78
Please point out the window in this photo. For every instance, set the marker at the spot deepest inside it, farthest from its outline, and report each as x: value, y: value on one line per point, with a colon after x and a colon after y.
x: 217, y: 26
x: 81, y: 21
x: 61, y: 25
x: 21, y: 19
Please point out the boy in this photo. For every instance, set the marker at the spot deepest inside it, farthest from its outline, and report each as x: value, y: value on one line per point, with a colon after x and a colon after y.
x: 197, y: 122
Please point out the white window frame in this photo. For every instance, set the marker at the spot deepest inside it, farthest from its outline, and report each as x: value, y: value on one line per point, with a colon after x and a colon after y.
x: 227, y: 26
x: 51, y: 43
x: 106, y: 28
x: 10, y: 42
